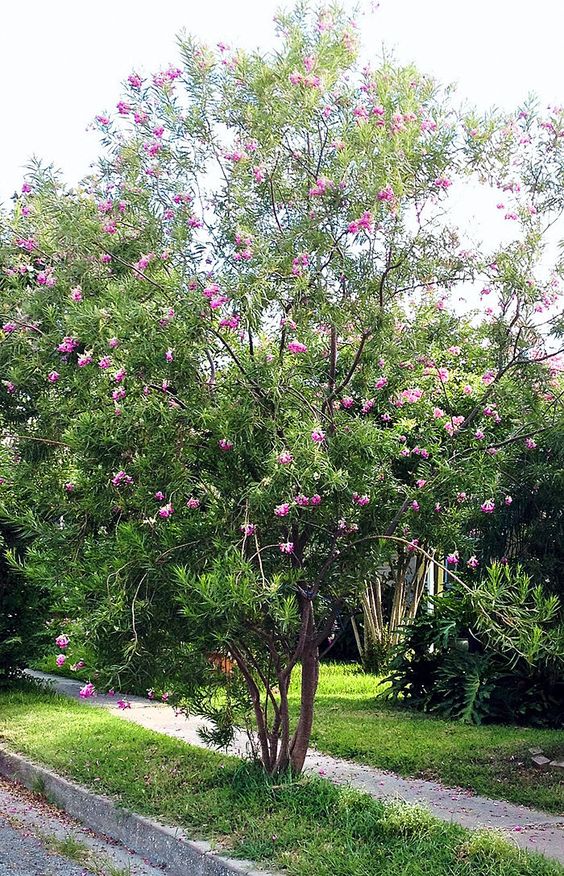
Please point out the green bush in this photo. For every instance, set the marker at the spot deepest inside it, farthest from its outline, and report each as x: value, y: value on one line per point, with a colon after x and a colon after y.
x: 22, y: 610
x: 493, y: 652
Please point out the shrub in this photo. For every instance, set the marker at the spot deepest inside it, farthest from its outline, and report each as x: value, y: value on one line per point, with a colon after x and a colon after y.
x: 490, y: 652
x: 22, y: 610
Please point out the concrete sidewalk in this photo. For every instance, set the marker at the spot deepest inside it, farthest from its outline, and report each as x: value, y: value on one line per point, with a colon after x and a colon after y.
x: 528, y: 828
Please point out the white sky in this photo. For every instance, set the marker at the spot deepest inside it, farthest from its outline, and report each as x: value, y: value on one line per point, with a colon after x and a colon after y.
x: 62, y: 61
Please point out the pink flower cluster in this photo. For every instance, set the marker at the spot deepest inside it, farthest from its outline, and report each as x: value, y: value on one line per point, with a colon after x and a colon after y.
x: 359, y: 500
x: 365, y: 223
x: 87, y: 691
x: 121, y: 478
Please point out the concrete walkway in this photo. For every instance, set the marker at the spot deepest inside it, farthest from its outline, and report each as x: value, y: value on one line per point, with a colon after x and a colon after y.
x: 528, y: 828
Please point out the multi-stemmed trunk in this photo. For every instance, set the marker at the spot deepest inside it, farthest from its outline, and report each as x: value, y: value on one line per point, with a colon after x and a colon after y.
x: 280, y: 749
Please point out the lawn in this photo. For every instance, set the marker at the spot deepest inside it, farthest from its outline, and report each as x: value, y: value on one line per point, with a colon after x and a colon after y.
x: 492, y: 760
x: 309, y: 827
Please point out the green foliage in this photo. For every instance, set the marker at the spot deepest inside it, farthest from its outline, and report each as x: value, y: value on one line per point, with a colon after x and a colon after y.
x: 491, y: 652
x: 23, y: 605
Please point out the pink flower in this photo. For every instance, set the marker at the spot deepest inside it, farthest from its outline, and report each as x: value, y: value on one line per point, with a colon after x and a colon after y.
x: 508, y: 500
x: 9, y: 327
x: 166, y: 510
x: 76, y: 666
x: 299, y: 263
x: 123, y: 108
x: 135, y: 81
x: 104, y: 362
x: 259, y: 173
x: 169, y: 355
x: 119, y: 394
x: 284, y: 457
x: 321, y: 186
x: 193, y: 503
x: 225, y: 444
x: 473, y: 562
x: 145, y: 261
x: 415, y: 505
x: 455, y: 351
x: 411, y: 395
x: 315, y: 499
x: 84, y: 359
x: 123, y: 704
x: 297, y: 347
x: 318, y: 436
x: 60, y: 660
x: 87, y: 691
x: 386, y: 194
x: 479, y: 435
x: 530, y: 444
x: 381, y: 382
x: 442, y: 182
x: 453, y: 559
x: 467, y: 390
x: 286, y: 547
x: 113, y: 343
x: 282, y: 510
x: 248, y: 529
x: 488, y: 377
x: 413, y: 545
x: 347, y: 402
x: 27, y: 243
x: 365, y: 222
x: 120, y: 375
x: 443, y: 375
x: 164, y: 697
x: 461, y: 497
x: 67, y: 345
x: 53, y: 376
x: 69, y: 487
x: 488, y: 507
x: 420, y: 483
x: 367, y: 405
x: 361, y: 501
x: 301, y: 500
x: 150, y: 693
x: 437, y: 413
x: 62, y: 642
x: 231, y: 322
x: 121, y: 477
x: 159, y: 496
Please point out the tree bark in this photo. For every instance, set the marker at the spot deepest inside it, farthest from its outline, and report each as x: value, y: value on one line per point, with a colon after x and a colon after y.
x: 300, y: 740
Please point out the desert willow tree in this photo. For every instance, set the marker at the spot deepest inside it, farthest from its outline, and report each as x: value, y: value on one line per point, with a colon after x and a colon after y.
x: 231, y: 374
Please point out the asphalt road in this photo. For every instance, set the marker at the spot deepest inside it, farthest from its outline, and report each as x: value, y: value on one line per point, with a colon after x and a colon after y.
x: 38, y: 839
x: 23, y: 855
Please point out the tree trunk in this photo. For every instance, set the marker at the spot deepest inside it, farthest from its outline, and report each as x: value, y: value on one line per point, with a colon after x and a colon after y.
x: 300, y: 740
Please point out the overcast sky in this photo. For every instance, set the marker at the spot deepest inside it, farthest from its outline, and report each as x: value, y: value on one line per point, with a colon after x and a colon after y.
x: 62, y: 61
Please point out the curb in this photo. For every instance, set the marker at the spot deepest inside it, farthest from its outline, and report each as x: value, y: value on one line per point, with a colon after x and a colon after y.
x: 166, y: 847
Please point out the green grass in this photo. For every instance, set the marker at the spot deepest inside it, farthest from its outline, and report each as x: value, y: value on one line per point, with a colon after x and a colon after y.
x: 492, y: 760
x: 309, y: 827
